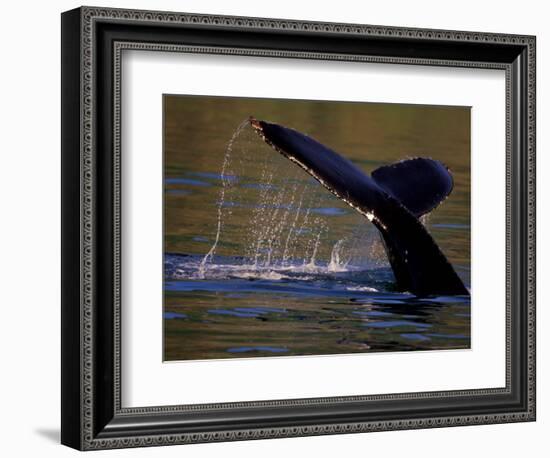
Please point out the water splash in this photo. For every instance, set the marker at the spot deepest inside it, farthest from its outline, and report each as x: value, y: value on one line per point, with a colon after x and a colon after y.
x: 275, y: 218
x: 337, y: 264
x: 225, y: 183
x: 316, y: 243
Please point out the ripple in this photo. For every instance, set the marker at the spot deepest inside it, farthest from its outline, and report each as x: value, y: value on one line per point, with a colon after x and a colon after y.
x: 254, y: 349
x: 260, y: 310
x: 396, y: 324
x: 187, y: 181
x: 234, y: 313
x: 174, y: 316
x: 372, y: 313
x: 214, y: 176
x: 329, y: 211
x: 415, y: 336
x: 448, y: 336
x: 178, y: 192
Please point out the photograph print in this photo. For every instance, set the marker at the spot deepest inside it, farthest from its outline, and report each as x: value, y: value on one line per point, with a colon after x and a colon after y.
x: 309, y: 227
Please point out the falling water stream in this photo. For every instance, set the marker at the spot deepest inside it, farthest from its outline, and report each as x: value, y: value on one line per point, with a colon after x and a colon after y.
x: 286, y: 219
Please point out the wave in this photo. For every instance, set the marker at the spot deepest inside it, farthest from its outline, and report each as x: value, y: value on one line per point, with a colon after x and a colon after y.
x: 318, y: 275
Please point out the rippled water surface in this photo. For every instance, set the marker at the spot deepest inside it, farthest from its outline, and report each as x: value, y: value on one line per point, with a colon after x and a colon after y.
x: 262, y: 261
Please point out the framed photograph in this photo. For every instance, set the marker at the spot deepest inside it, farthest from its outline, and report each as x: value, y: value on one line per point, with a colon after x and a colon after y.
x: 276, y: 228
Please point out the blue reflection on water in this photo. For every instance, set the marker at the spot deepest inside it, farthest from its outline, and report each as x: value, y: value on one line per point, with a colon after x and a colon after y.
x: 188, y: 181
x: 448, y: 336
x: 232, y: 313
x: 261, y: 310
x: 451, y: 226
x: 246, y: 312
x: 174, y: 316
x: 329, y: 211
x: 396, y: 324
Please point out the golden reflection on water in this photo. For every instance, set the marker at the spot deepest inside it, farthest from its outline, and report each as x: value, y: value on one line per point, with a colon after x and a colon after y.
x: 197, y: 130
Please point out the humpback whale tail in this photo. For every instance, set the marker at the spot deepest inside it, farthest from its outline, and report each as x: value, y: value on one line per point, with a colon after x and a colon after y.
x: 392, y: 198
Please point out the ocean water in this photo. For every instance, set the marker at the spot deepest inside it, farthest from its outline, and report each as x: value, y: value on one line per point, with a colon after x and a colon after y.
x: 260, y: 260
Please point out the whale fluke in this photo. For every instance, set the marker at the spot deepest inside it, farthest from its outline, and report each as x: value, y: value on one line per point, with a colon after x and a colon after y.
x: 392, y: 199
x: 420, y: 184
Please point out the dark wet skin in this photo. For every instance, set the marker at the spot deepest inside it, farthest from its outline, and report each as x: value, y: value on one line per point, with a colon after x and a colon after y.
x: 417, y: 262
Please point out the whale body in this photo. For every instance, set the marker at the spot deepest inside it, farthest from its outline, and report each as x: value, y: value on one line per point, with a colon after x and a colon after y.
x: 393, y: 198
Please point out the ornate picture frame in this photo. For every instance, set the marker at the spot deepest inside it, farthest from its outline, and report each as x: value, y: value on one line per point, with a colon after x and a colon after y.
x: 93, y: 416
